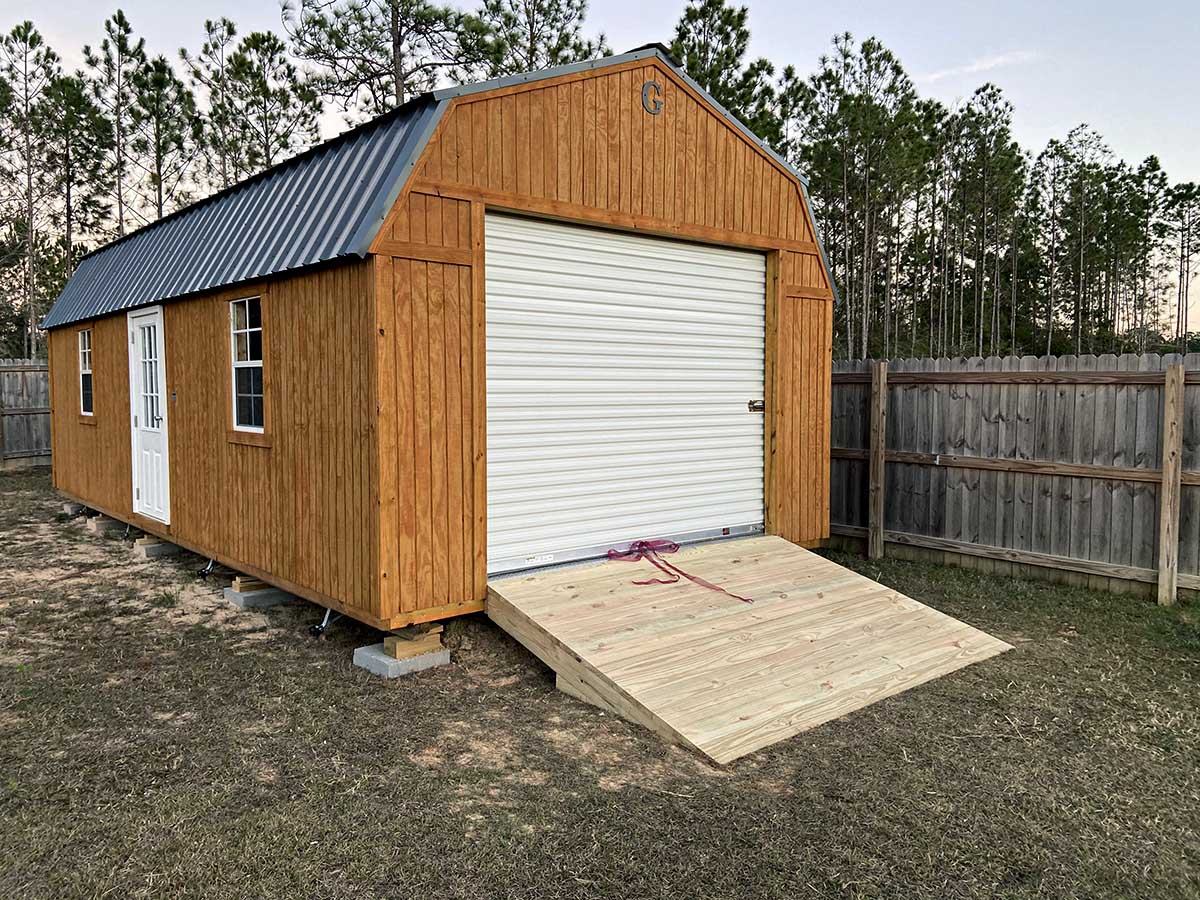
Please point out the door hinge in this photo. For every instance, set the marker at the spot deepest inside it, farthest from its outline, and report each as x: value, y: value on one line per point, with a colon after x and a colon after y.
x: 137, y: 493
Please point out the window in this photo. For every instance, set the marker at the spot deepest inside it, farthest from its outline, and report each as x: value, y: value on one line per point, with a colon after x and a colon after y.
x: 85, y: 371
x: 245, y: 327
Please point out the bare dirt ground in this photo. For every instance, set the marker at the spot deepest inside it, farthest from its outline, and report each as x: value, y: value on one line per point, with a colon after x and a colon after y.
x: 154, y: 742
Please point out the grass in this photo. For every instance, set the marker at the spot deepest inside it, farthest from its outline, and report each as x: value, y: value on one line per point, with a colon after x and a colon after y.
x: 155, y: 742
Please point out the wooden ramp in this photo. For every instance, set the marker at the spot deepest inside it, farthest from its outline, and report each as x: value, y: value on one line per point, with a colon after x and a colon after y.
x: 724, y: 677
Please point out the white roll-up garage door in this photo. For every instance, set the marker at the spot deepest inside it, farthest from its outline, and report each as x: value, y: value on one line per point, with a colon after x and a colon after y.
x: 620, y: 370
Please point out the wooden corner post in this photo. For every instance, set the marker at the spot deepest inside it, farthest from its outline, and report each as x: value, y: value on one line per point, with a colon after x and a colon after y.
x: 877, y: 471
x: 1172, y: 469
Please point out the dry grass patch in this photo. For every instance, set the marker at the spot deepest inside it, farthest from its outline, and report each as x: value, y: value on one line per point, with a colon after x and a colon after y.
x: 154, y: 742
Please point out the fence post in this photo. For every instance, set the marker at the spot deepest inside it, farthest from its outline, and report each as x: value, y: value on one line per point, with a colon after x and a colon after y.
x: 3, y: 449
x: 1172, y: 467
x: 877, y: 471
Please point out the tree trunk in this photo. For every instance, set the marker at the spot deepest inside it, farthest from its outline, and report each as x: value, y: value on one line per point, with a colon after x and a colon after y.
x: 865, y: 274
x: 119, y: 143
x: 68, y: 209
x: 1079, y: 288
x: 397, y: 51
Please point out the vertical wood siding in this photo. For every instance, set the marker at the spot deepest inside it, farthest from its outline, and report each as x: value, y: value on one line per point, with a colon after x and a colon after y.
x: 582, y: 149
x: 432, y: 542
x: 91, y: 455
x: 297, y: 507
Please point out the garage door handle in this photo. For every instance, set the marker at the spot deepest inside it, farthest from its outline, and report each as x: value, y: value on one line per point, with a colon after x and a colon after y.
x: 757, y: 406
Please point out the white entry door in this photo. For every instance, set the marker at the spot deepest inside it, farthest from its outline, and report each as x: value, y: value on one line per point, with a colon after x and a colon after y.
x: 624, y: 383
x: 148, y: 415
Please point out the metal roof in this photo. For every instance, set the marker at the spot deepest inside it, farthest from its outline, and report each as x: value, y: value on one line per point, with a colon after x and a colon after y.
x: 323, y: 204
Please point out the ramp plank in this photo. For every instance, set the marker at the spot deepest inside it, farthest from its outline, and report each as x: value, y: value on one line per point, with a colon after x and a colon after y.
x: 721, y: 676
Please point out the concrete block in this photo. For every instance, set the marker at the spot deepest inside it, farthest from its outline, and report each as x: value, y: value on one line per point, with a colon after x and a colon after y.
x: 71, y: 508
x: 152, y: 548
x: 103, y: 525
x: 377, y: 662
x: 257, y: 599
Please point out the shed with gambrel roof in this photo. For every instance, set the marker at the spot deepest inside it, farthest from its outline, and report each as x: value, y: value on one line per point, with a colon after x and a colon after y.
x: 504, y: 326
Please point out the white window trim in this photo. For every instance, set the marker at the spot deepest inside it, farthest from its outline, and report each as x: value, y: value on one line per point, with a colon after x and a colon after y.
x: 235, y: 364
x: 86, y: 371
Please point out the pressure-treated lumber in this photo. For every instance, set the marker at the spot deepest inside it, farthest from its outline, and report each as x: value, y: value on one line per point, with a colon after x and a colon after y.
x: 1169, y: 498
x: 407, y: 646
x: 722, y: 676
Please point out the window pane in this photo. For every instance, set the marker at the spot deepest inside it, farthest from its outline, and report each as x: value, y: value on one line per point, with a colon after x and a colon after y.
x: 242, y: 378
x: 244, y: 414
x: 255, y: 312
x: 255, y: 345
x: 239, y: 315
x: 86, y: 390
x: 256, y: 380
x: 241, y: 347
x: 256, y: 412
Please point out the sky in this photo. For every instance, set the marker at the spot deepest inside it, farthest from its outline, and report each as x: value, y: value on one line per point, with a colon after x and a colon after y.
x: 1130, y: 70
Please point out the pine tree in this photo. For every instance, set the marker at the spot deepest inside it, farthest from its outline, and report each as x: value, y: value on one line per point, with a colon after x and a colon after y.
x: 221, y: 141
x: 993, y: 182
x: 165, y: 133
x: 1048, y: 203
x: 537, y: 34
x: 855, y: 123
x: 275, y: 111
x: 371, y: 55
x: 79, y: 138
x: 711, y: 40
x: 1183, y: 209
x: 113, y: 68
x: 28, y: 68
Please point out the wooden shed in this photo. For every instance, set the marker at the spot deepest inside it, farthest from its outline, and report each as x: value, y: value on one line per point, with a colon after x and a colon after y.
x: 506, y: 325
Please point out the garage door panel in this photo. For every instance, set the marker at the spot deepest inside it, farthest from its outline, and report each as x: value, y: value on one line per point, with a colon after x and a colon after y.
x: 600, y: 341
x: 607, y: 286
x: 545, y: 539
x: 618, y: 373
x: 531, y: 435
x: 633, y: 320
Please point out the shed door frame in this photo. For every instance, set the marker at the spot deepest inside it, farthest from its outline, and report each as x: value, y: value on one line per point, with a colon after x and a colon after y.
x: 764, y: 392
x: 150, y: 471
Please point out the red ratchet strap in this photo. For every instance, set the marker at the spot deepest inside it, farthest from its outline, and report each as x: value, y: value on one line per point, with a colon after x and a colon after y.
x: 650, y: 550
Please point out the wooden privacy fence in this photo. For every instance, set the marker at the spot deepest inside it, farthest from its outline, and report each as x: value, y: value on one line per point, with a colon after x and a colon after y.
x: 1087, y: 464
x: 24, y: 413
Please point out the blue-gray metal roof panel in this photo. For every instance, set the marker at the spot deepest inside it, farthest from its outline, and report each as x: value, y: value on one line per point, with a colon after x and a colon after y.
x: 321, y: 205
